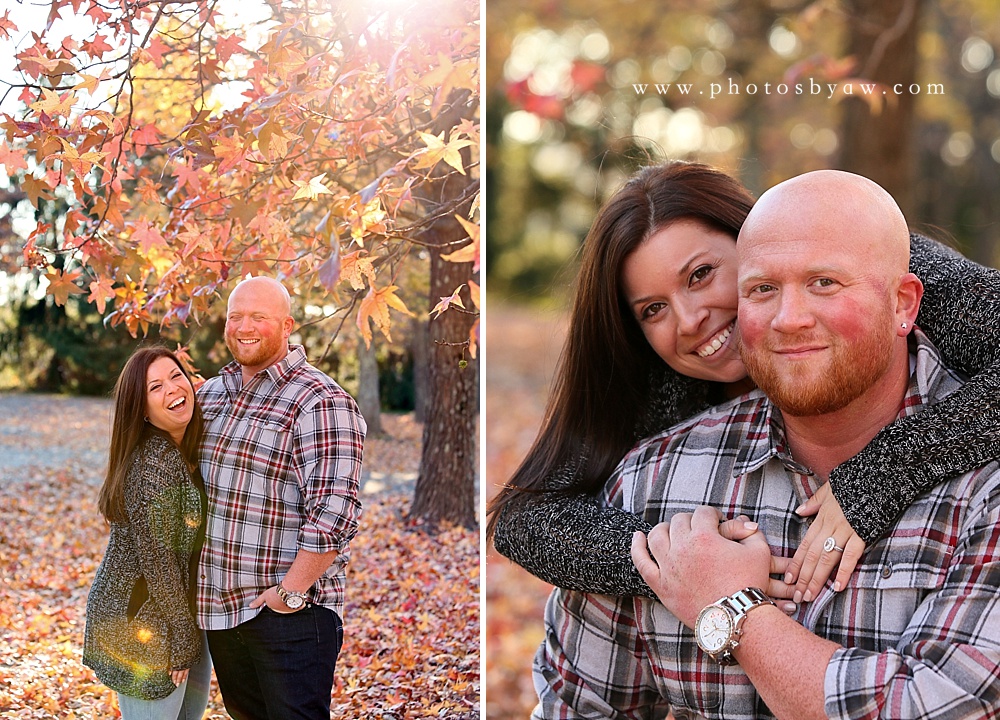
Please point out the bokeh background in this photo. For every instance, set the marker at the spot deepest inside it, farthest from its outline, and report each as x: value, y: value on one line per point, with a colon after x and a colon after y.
x: 573, y: 106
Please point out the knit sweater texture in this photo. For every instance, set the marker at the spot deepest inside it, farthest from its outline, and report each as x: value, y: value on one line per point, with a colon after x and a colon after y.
x: 140, y: 624
x: 570, y: 541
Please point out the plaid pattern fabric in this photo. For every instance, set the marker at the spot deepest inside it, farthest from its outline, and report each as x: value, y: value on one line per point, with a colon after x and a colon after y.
x: 281, y: 459
x: 919, y: 620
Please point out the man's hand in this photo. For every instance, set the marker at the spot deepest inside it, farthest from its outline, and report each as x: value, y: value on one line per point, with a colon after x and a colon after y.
x: 689, y: 564
x: 270, y: 598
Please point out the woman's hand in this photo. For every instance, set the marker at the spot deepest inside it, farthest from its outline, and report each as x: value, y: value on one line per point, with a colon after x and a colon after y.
x: 178, y: 676
x: 813, y: 562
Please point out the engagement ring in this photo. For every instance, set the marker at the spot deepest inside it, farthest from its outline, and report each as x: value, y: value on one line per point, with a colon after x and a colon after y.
x: 831, y: 544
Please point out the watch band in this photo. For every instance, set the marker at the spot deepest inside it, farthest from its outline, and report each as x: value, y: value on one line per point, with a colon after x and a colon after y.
x: 286, y: 594
x: 743, y: 601
x: 738, y: 605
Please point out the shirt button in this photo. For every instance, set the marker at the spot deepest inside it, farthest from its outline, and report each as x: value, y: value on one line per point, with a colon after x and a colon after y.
x: 887, y: 570
x: 204, y: 577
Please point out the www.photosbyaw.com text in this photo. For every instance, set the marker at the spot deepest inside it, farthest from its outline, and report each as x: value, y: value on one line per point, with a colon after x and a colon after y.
x: 812, y: 88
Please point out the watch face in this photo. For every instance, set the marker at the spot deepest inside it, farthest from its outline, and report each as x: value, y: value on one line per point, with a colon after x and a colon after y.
x: 294, y: 602
x: 714, y: 628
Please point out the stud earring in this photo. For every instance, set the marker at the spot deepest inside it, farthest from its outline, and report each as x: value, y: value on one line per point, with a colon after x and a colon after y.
x: 904, y: 326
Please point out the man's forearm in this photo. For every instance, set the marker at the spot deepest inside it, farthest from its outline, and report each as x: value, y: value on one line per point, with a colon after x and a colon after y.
x: 786, y: 663
x: 306, y: 569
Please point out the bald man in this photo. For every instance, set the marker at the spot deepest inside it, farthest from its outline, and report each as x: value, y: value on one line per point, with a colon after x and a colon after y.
x: 826, y: 311
x: 281, y: 461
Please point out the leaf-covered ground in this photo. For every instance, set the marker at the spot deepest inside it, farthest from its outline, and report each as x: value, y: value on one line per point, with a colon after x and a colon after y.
x: 522, y: 347
x: 411, y: 648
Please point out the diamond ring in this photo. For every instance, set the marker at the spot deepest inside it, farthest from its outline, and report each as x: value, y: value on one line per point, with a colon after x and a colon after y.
x: 831, y: 544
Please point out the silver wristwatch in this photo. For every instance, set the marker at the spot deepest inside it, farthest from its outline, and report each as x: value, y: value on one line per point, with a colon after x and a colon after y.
x: 292, y: 600
x: 719, y: 626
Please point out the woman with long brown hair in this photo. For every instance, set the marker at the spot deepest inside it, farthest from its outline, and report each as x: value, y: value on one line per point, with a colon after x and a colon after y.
x: 141, y: 638
x: 651, y: 344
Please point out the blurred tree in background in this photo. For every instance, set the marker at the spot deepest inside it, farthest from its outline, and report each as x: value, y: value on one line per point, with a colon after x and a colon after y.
x: 579, y: 94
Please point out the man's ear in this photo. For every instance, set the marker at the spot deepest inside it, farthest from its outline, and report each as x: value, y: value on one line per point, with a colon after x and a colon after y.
x: 287, y: 326
x: 908, y: 295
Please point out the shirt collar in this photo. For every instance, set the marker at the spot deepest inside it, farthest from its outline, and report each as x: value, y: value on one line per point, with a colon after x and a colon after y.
x: 278, y: 373
x: 930, y: 381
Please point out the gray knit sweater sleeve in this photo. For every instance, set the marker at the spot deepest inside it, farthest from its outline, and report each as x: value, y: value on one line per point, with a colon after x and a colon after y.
x: 960, y: 313
x: 569, y: 539
x: 157, y: 491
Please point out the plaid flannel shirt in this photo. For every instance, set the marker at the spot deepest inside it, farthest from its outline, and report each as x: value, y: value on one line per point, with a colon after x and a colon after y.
x: 281, y: 459
x: 919, y: 619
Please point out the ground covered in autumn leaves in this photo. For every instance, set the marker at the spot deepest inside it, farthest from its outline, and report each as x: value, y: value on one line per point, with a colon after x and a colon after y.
x: 411, y: 647
x: 523, y: 346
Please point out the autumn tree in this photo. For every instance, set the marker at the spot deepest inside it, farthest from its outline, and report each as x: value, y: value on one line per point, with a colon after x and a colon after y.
x: 323, y: 145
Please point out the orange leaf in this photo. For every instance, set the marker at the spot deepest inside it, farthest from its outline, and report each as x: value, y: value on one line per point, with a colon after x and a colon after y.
x: 12, y: 160
x: 474, y: 338
x: 147, y: 236
x: 100, y: 292
x: 474, y: 292
x: 62, y: 285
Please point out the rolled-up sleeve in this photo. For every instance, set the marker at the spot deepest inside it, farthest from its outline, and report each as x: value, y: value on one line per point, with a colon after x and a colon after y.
x: 947, y: 662
x: 327, y: 449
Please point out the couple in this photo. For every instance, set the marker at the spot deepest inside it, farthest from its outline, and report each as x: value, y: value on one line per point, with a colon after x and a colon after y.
x: 850, y: 392
x: 231, y: 513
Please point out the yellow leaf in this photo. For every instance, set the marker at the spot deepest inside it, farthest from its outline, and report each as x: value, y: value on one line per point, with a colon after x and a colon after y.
x: 469, y: 253
x: 375, y: 307
x: 89, y: 83
x: 312, y: 189
x: 367, y: 218
x: 52, y: 104
x: 437, y: 150
x: 355, y: 268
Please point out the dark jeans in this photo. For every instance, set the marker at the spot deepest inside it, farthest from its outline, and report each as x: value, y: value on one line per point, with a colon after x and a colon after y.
x: 278, y: 667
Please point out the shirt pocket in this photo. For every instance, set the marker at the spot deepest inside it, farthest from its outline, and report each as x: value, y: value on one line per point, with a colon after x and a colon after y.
x: 896, y: 576
x: 267, y: 439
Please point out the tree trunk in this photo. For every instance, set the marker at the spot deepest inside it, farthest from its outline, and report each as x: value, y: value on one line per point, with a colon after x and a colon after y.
x: 446, y: 489
x: 446, y: 485
x: 883, y: 37
x: 368, y: 391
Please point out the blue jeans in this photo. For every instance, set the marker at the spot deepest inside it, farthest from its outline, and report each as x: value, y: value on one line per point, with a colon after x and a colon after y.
x: 278, y: 666
x: 187, y: 702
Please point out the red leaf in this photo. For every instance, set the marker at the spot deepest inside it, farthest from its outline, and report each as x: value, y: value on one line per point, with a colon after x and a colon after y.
x: 143, y: 137
x: 97, y: 47
x: 6, y: 26
x: 156, y: 49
